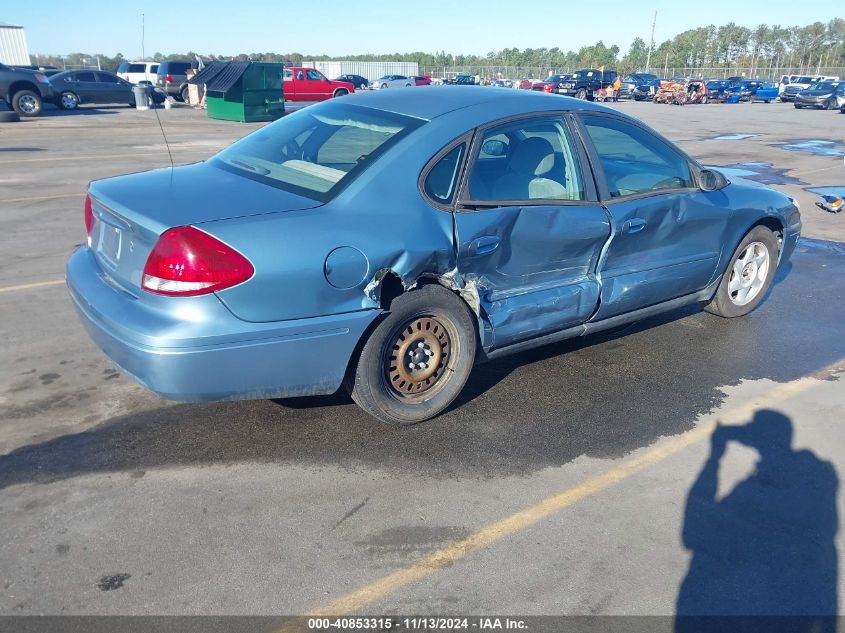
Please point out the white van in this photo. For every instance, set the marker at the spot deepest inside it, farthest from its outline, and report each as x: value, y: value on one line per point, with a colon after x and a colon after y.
x: 136, y: 72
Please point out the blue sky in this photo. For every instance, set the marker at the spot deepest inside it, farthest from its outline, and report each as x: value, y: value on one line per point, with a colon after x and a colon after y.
x: 334, y: 27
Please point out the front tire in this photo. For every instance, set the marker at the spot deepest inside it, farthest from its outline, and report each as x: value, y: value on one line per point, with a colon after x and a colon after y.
x: 748, y: 276
x: 340, y: 92
x: 581, y: 94
x: 27, y: 103
x: 68, y: 101
x: 417, y: 360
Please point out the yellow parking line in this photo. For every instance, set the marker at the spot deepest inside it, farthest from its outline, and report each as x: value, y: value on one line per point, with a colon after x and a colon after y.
x: 31, y: 198
x: 354, y: 601
x: 39, y: 284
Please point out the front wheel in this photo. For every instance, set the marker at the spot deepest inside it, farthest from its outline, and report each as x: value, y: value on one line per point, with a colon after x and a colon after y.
x: 69, y: 101
x: 748, y: 276
x: 797, y: 106
x: 581, y: 94
x: 417, y: 360
x: 341, y: 92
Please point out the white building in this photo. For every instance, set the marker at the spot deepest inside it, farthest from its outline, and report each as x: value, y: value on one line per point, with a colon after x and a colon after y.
x: 13, y: 48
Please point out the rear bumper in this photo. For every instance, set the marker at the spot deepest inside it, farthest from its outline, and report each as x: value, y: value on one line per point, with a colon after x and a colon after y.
x: 194, y: 349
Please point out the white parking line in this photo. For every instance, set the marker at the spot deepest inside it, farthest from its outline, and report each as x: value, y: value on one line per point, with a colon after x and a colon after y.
x: 127, y: 155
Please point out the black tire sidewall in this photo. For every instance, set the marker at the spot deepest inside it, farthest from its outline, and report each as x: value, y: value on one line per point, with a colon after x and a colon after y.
x: 368, y: 381
x: 68, y: 92
x: 722, y: 300
x: 16, y: 107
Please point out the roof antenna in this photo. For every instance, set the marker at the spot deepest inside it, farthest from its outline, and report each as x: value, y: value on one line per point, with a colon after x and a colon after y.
x: 161, y: 127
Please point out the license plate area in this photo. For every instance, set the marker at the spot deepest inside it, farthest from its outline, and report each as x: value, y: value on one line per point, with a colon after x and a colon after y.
x: 110, y: 243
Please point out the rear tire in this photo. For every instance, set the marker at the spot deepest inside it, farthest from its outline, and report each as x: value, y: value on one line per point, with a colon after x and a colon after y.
x: 68, y: 101
x: 185, y: 96
x: 748, y: 276
x: 27, y: 103
x: 417, y: 360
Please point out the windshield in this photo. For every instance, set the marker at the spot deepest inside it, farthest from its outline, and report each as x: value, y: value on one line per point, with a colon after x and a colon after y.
x: 554, y: 78
x: 317, y: 151
x: 826, y: 86
x: 803, y: 80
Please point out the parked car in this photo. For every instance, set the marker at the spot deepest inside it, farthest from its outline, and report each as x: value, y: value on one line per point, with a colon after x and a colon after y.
x: 137, y: 72
x: 72, y: 88
x: 460, y: 80
x: 716, y: 89
x: 590, y: 81
x: 800, y: 83
x: 358, y: 82
x: 280, y: 267
x: 646, y: 91
x: 309, y: 84
x: 827, y: 95
x: 630, y: 83
x: 422, y: 80
x: 172, y: 77
x: 525, y: 84
x: 752, y: 90
x: 392, y: 81
x: 24, y: 90
x: 556, y: 84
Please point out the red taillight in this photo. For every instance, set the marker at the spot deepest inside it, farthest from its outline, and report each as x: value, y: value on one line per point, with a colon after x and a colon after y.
x: 186, y: 261
x: 168, y: 79
x: 89, y: 215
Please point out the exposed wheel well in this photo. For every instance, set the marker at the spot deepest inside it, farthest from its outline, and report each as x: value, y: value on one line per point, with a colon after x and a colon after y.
x: 22, y: 85
x: 774, y: 225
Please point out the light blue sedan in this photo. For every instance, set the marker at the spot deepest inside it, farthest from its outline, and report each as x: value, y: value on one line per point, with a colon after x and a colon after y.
x: 388, y: 241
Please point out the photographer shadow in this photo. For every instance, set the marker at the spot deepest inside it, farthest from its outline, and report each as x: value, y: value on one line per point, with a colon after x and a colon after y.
x: 767, y: 548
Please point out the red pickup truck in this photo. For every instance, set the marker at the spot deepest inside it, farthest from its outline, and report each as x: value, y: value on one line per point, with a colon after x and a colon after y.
x: 308, y: 84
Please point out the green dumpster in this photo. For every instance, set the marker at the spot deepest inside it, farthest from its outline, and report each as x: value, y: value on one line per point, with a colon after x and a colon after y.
x: 242, y: 91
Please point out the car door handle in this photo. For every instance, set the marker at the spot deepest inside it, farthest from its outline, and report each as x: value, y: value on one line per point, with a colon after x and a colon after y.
x: 484, y: 245
x: 634, y: 225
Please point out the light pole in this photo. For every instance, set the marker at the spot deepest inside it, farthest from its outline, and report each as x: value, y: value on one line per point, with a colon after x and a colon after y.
x: 651, y: 44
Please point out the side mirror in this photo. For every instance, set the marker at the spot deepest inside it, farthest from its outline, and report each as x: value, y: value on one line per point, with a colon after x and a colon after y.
x: 494, y: 148
x: 712, y: 180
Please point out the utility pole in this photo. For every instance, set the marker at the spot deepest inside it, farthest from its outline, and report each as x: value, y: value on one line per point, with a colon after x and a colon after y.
x: 143, y: 52
x: 651, y: 44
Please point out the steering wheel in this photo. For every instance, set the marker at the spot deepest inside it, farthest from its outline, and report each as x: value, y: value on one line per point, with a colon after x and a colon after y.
x: 291, y: 150
x: 666, y: 183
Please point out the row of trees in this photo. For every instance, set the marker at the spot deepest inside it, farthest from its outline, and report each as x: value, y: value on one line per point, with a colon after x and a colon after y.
x: 727, y: 46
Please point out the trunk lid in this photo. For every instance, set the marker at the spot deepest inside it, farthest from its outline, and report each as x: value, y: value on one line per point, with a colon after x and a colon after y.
x: 131, y: 212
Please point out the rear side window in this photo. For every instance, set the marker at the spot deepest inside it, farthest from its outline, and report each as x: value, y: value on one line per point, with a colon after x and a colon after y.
x: 136, y: 68
x: 633, y: 160
x: 108, y: 79
x: 317, y: 151
x: 442, y: 179
x: 530, y: 159
x: 154, y: 68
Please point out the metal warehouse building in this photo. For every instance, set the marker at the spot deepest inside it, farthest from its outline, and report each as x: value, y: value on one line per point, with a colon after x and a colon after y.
x: 13, y: 49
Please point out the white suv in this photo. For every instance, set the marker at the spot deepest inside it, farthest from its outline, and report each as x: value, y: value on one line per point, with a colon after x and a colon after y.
x: 136, y: 72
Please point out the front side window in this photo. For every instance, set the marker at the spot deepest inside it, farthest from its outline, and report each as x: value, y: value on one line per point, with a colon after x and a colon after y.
x: 86, y: 76
x: 635, y: 161
x: 317, y: 151
x: 530, y: 159
x: 442, y: 179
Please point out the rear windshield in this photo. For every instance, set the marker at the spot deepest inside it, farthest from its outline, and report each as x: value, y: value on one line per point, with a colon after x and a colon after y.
x: 174, y: 68
x: 317, y: 151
